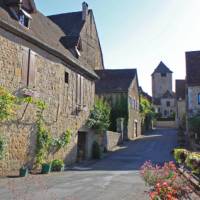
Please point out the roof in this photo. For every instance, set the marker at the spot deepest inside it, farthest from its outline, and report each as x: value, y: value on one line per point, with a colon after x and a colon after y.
x: 193, y: 68
x: 162, y: 68
x: 168, y: 95
x: 114, y: 80
x: 157, y: 101
x: 43, y: 33
x: 70, y: 23
x: 180, y: 89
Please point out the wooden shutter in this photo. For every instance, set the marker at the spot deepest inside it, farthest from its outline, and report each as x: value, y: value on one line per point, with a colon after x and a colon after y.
x: 77, y: 88
x: 32, y: 69
x: 25, y: 64
x: 82, y: 90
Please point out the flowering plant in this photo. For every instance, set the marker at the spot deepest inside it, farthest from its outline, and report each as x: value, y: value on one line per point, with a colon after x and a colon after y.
x: 166, y: 182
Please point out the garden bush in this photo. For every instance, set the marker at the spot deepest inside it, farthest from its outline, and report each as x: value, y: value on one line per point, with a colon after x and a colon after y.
x: 180, y: 155
x: 193, y: 162
x: 57, y: 165
x: 100, y: 116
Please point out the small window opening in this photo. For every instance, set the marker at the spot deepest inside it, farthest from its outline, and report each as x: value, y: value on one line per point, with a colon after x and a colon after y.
x: 66, y: 77
x: 168, y: 103
x: 163, y: 74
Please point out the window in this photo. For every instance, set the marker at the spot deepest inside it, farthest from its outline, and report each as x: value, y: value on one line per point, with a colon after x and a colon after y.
x: 66, y: 77
x: 163, y: 74
x: 199, y: 98
x: 24, y: 18
x: 168, y: 103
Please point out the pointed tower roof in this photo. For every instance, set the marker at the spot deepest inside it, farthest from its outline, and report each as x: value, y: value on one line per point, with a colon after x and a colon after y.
x: 162, y: 68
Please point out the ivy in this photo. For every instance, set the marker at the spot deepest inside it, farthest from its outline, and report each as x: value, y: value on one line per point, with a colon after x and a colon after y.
x: 63, y: 141
x: 43, y: 142
x: 119, y: 110
x: 7, y: 104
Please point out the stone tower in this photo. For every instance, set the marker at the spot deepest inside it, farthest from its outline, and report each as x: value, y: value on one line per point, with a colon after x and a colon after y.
x: 161, y: 81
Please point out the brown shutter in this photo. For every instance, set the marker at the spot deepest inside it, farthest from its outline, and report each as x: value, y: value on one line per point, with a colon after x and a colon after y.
x: 25, y: 63
x: 32, y: 69
x: 82, y: 91
x: 77, y: 89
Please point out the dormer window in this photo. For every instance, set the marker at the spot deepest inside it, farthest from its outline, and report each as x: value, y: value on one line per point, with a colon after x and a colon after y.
x: 78, y: 48
x: 24, y: 18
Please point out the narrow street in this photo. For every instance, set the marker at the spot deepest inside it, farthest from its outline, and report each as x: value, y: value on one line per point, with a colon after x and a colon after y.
x: 114, y: 177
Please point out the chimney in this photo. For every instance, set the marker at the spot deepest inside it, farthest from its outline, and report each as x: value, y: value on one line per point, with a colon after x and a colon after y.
x: 84, y: 10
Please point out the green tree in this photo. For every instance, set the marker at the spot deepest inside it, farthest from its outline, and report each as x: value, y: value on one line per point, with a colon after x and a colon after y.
x: 147, y: 112
x: 99, y: 118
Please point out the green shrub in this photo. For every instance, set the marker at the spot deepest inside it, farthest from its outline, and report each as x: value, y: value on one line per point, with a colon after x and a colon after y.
x: 100, y: 116
x: 57, y: 165
x: 96, y: 151
x: 180, y: 155
x: 193, y: 162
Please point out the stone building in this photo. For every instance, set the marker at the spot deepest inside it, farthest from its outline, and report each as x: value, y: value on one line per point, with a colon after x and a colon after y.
x: 81, y: 36
x: 193, y: 82
x: 119, y: 87
x: 39, y: 56
x: 180, y: 102
x: 162, y: 94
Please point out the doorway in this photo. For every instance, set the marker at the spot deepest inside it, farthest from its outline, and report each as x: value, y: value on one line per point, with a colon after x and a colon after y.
x: 81, y: 146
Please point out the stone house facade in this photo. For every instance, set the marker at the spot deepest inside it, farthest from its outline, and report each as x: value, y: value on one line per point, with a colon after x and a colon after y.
x: 120, y: 89
x: 180, y: 102
x: 162, y: 94
x: 32, y: 56
x: 193, y: 82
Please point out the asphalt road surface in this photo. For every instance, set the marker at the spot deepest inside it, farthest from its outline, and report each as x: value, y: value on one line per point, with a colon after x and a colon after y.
x: 116, y: 177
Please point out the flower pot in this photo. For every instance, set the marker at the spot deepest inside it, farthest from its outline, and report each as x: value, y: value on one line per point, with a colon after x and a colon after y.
x: 58, y: 168
x: 23, y: 172
x: 46, y: 168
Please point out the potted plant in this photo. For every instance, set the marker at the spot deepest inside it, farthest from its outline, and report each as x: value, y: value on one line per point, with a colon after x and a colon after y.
x: 46, y: 168
x: 23, y: 171
x: 57, y: 165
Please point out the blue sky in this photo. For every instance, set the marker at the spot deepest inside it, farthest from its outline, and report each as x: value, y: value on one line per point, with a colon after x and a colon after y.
x: 141, y: 33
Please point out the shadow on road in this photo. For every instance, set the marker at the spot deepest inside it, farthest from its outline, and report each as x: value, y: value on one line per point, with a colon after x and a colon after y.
x: 155, y: 146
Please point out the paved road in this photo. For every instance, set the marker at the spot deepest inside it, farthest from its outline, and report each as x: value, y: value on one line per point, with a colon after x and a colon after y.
x: 115, y: 177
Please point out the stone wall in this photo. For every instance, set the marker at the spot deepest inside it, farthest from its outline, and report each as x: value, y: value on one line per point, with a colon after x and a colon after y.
x: 167, y: 111
x: 134, y: 119
x: 50, y: 86
x: 193, y: 106
x: 181, y: 111
x: 91, y: 50
x: 166, y: 124
x: 112, y: 139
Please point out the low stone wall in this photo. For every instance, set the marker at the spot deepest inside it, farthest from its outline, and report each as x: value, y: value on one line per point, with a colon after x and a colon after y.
x: 112, y: 139
x: 166, y: 124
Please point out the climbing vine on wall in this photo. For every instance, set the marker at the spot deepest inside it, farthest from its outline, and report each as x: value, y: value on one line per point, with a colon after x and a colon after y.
x: 9, y: 104
x: 119, y: 110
